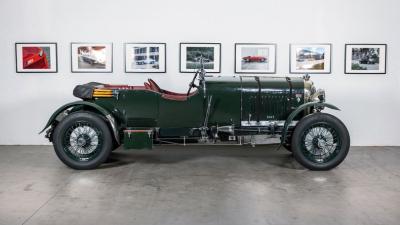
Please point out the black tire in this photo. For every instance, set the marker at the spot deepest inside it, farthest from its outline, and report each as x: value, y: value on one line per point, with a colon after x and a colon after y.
x: 320, y: 141
x: 82, y: 132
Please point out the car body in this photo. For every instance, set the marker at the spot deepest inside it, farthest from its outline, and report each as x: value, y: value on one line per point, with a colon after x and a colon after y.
x: 145, y: 61
x: 254, y: 59
x: 369, y: 60
x: 34, y: 58
x: 90, y: 59
x: 221, y: 110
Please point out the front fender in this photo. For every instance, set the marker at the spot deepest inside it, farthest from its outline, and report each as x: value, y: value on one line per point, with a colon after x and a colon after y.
x: 298, y: 110
x: 110, y: 119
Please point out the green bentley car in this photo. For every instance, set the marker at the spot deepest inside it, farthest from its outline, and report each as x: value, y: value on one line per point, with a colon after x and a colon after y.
x: 215, y: 110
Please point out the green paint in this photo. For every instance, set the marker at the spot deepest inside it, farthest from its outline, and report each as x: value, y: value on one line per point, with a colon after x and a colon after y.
x: 138, y: 139
x: 234, y: 99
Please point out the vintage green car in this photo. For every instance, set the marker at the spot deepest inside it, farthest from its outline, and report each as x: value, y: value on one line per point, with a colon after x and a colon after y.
x: 218, y: 110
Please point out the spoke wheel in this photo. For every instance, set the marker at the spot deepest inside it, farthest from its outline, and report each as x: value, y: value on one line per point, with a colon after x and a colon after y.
x: 82, y: 140
x: 320, y: 141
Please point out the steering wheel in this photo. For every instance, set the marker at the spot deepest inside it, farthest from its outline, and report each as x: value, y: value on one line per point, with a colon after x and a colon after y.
x: 191, y: 84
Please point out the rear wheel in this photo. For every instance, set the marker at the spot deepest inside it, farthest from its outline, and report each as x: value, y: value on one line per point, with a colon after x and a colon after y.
x: 82, y: 140
x: 320, y: 141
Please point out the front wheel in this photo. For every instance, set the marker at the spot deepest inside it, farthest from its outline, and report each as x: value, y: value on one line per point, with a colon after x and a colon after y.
x: 320, y: 141
x: 82, y: 140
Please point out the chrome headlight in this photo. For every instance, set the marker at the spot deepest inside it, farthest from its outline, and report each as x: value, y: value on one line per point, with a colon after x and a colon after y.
x: 318, y: 96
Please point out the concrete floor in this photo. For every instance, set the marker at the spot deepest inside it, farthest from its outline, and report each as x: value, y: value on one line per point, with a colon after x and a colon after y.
x: 199, y: 185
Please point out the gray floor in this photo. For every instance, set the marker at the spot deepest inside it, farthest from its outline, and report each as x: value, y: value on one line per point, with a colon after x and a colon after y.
x: 175, y: 185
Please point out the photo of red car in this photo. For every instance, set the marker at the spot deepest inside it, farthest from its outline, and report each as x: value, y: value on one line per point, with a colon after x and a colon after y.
x: 35, y: 57
x: 254, y: 59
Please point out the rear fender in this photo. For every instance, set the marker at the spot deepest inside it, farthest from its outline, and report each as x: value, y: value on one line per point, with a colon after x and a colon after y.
x: 64, y: 110
x: 318, y: 105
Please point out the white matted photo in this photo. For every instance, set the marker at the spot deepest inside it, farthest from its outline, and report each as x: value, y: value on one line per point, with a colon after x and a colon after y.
x: 255, y: 58
x: 192, y: 53
x: 365, y: 58
x: 310, y: 58
x: 36, y: 57
x: 145, y: 57
x: 91, y: 57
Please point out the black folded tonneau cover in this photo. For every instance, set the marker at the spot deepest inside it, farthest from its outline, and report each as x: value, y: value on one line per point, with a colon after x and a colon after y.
x: 85, y: 91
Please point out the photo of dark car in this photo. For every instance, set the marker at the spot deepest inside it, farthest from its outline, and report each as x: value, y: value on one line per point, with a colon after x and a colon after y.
x: 365, y: 59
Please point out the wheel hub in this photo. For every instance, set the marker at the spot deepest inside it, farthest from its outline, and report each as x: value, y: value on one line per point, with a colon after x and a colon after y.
x: 83, y: 141
x: 319, y: 142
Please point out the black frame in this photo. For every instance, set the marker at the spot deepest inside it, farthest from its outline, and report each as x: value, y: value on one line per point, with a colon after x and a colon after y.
x: 276, y: 47
x: 345, y: 58
x: 112, y: 57
x: 16, y: 57
x: 195, y: 43
x: 150, y: 43
x: 290, y: 58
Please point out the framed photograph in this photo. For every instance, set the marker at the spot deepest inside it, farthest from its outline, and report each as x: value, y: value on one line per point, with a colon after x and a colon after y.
x: 255, y: 58
x: 145, y: 57
x: 365, y: 59
x: 310, y: 58
x: 91, y: 57
x: 191, y: 53
x: 36, y: 57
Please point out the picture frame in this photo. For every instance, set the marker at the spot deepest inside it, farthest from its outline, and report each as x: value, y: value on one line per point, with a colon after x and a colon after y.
x: 36, y: 57
x: 365, y: 58
x: 190, y: 54
x: 91, y: 57
x: 145, y: 57
x: 255, y: 58
x: 310, y: 58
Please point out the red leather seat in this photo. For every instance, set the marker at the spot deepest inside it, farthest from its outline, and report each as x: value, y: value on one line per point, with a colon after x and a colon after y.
x: 147, y: 86
x: 169, y: 95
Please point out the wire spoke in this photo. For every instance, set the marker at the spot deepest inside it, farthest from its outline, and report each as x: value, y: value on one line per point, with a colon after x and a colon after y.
x: 321, y: 142
x: 82, y: 141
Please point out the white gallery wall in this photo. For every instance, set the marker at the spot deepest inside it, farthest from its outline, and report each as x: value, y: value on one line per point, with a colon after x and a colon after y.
x: 370, y: 104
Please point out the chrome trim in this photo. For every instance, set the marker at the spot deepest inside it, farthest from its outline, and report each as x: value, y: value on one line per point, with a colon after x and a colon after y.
x: 226, y: 129
x: 266, y: 123
x: 307, y: 94
x: 318, y: 96
x: 309, y: 88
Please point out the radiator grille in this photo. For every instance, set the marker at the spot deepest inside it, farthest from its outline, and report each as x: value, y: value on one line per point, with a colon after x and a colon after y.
x: 274, y: 106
